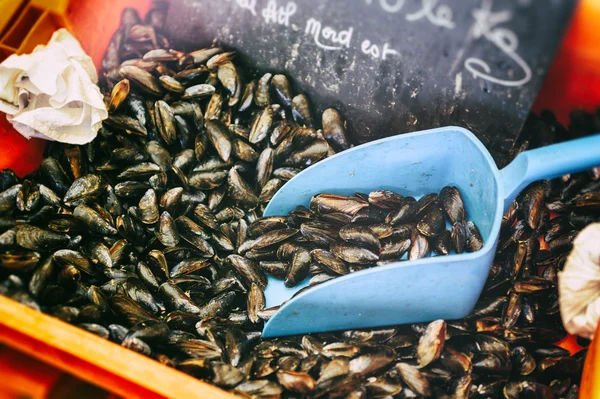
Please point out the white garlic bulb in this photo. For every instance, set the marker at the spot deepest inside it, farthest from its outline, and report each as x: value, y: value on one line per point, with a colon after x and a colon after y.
x: 579, y: 284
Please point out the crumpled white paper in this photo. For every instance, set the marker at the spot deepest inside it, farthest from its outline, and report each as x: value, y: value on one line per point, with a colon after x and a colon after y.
x: 52, y: 92
x: 579, y: 284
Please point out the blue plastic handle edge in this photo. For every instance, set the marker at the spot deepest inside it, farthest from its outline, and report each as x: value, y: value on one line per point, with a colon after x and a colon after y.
x: 547, y: 163
x: 270, y: 330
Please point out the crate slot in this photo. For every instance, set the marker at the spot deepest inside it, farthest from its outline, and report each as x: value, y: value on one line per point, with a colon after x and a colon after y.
x: 40, y: 33
x: 6, y: 51
x: 57, y: 6
x: 10, y: 13
x: 18, y: 33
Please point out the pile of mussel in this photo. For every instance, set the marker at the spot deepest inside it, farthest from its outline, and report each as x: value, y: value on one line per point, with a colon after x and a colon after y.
x: 342, y: 234
x: 151, y: 236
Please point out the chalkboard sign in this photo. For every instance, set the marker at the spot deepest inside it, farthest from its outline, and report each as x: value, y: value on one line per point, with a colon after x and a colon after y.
x: 393, y: 66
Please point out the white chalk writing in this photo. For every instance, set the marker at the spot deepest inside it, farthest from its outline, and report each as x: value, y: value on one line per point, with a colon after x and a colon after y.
x: 486, y: 25
x: 339, y: 39
x: 249, y: 5
x: 279, y: 15
x: 506, y: 40
x: 391, y: 6
x: 373, y: 50
x: 442, y: 16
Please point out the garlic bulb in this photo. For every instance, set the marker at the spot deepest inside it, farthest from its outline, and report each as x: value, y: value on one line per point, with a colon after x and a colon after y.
x: 579, y: 284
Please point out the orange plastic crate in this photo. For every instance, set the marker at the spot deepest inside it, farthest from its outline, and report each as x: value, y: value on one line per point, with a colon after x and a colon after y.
x: 94, y: 359
x: 26, y: 377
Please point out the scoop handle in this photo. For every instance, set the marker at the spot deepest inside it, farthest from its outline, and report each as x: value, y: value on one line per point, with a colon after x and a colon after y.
x: 547, y: 163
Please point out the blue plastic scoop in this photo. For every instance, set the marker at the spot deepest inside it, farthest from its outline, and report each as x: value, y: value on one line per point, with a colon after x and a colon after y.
x: 413, y: 164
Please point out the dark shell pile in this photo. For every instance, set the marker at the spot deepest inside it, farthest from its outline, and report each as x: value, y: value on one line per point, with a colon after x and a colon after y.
x: 138, y: 237
x: 342, y: 234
